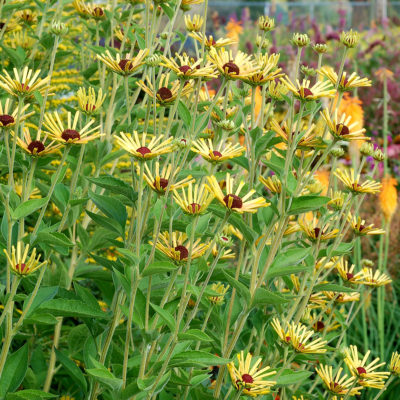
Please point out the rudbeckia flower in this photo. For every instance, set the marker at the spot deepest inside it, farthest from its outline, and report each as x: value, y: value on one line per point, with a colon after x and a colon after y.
x: 193, y: 199
x: 339, y: 297
x: 342, y: 128
x: 209, y: 41
x: 360, y: 228
x: 347, y: 82
x: 8, y: 118
x: 216, y: 154
x: 90, y: 102
x: 20, y: 263
x: 231, y: 200
x: 268, y: 70
x: 193, y: 23
x: 347, y: 273
x: 219, y: 288
x: 375, y: 279
x: 36, y: 147
x: 352, y: 182
x: 247, y: 376
x: 338, y: 384
x: 394, y: 366
x: 123, y: 66
x: 314, y: 232
x: 304, y: 92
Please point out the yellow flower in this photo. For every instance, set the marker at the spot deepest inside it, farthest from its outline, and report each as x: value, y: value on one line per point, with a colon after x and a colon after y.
x: 196, y: 201
x: 185, y: 4
x: 159, y: 183
x: 338, y: 384
x: 164, y: 92
x: 359, y: 227
x: 89, y: 102
x: 176, y: 246
x: 123, y: 66
x: 24, y: 83
x: 338, y: 297
x: 266, y: 23
x: 337, y: 200
x: 267, y: 70
x: 272, y: 183
x: 216, y: 154
x: 352, y: 182
x: 241, y: 66
x: 346, y: 272
x: 143, y: 148
x: 394, y: 366
x: 376, y: 279
x: 342, y: 128
x: 19, y: 261
x: 232, y: 201
x: 388, y: 197
x: 349, y: 38
x: 187, y: 68
x: 227, y: 254
x: 314, y: 232
x: 346, y: 82
x: 70, y: 134
x: 219, y: 288
x: 81, y: 8
x: 194, y: 22
x: 247, y: 376
x: 8, y: 118
x: 276, y: 90
x: 303, y: 91
x: 27, y: 16
x: 209, y: 41
x: 36, y: 147
x: 366, y: 374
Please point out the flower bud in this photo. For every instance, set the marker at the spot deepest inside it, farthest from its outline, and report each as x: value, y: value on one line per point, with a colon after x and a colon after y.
x: 266, y: 23
x: 58, y: 28
x: 378, y: 155
x: 224, y: 241
x: 365, y: 262
x: 308, y: 71
x: 181, y: 143
x: 262, y: 43
x: 152, y: 60
x: 164, y: 35
x: 337, y: 152
x: 300, y: 39
x: 349, y: 38
x: 367, y: 149
x: 320, y: 48
x: 226, y: 125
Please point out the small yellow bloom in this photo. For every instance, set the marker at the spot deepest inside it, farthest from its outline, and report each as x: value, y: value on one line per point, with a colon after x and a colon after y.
x: 304, y: 92
x: 346, y: 272
x: 69, y: 134
x: 272, y: 183
x: 365, y: 374
x: 339, y: 297
x: 266, y: 23
x: 394, y: 366
x: 349, y: 38
x: 123, y: 66
x: 8, y: 118
x: 194, y: 199
x: 89, y: 102
x: 312, y: 230
x: 144, y: 148
x: 159, y: 183
x: 176, y: 247
x: 360, y: 228
x: 338, y: 384
x: 232, y: 200
x: 19, y: 262
x: 27, y: 16
x: 352, y: 182
x: 216, y: 154
x: 36, y: 147
x: 268, y: 70
x: 375, y: 279
x: 347, y: 82
x: 247, y: 376
x: 209, y: 41
x: 219, y: 288
x: 193, y: 23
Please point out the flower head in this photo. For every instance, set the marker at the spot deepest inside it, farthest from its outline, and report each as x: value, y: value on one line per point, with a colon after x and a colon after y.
x: 339, y: 297
x: 347, y: 82
x: 351, y: 182
x: 300, y: 39
x: 338, y: 384
x: 19, y: 261
x: 123, y: 66
x: 36, y: 147
x: 176, y: 246
x: 374, y: 279
x: 361, y: 229
x: 70, y: 134
x: 349, y: 38
x: 8, y: 118
x: 247, y: 376
x: 24, y: 83
x: 273, y: 183
x: 366, y: 374
x: 347, y: 273
x: 193, y: 199
x: 268, y: 70
x: 89, y: 102
x: 231, y: 200
x: 160, y: 181
x: 394, y: 366
x: 220, y: 291
x: 209, y: 41
x: 315, y: 232
x: 146, y: 147
x: 304, y: 92
x: 266, y: 23
x: 216, y: 154
x: 194, y: 22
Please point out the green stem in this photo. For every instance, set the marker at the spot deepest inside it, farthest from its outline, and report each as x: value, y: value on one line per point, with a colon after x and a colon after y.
x: 388, y: 382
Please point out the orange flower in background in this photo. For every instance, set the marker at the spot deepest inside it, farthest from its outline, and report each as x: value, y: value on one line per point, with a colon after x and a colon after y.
x: 383, y: 73
x: 234, y: 29
x: 323, y: 177
x: 388, y: 197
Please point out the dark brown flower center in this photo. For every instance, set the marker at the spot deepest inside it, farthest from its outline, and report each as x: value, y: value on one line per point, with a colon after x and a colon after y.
x: 163, y: 183
x: 231, y: 68
x: 36, y: 147
x: 185, y: 69
x: 233, y: 201
x: 318, y: 232
x: 70, y: 134
x: 319, y: 326
x: 349, y: 276
x: 24, y: 87
x: 307, y: 92
x: 287, y: 338
x: 345, y: 82
x: 361, y: 228
x: 194, y: 208
x: 98, y: 12
x: 164, y: 93
x: 143, y: 150
x: 125, y: 64
x: 246, y: 378
x: 1, y: 25
x: 361, y: 370
x: 342, y: 129
x: 336, y: 387
x: 6, y: 119
x: 216, y: 153
x: 89, y: 107
x: 183, y: 252
x: 21, y: 267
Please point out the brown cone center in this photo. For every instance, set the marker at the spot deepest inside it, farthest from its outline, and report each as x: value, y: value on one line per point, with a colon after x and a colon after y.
x: 237, y: 202
x: 307, y: 92
x: 70, y: 134
x: 185, y: 68
x: 342, y: 129
x: 231, y: 68
x: 246, y: 378
x: 163, y: 183
x: 217, y: 153
x: 36, y: 145
x: 125, y: 64
x: 183, y: 252
x: 6, y: 119
x: 361, y: 370
x: 194, y: 208
x: 21, y: 267
x: 164, y: 93
x: 143, y: 150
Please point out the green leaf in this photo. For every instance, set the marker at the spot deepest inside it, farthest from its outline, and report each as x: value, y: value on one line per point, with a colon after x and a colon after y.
x: 264, y: 297
x: 184, y: 114
x: 289, y: 377
x: 286, y: 271
x: 168, y: 10
x: 14, y: 371
x: 343, y: 248
x: 30, y: 394
x: 304, y: 204
x: 28, y: 207
x: 196, y: 358
x: 114, y: 185
x: 111, y: 207
x: 72, y: 308
x: 240, y: 287
x: 105, y: 222
x: 38, y: 97
x: 333, y: 287
x: 196, y: 380
x: 147, y: 383
x: 105, y: 377
x: 194, y: 334
x: 73, y: 370
x: 290, y: 257
x: 166, y: 316
x: 53, y: 239
x: 159, y: 267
